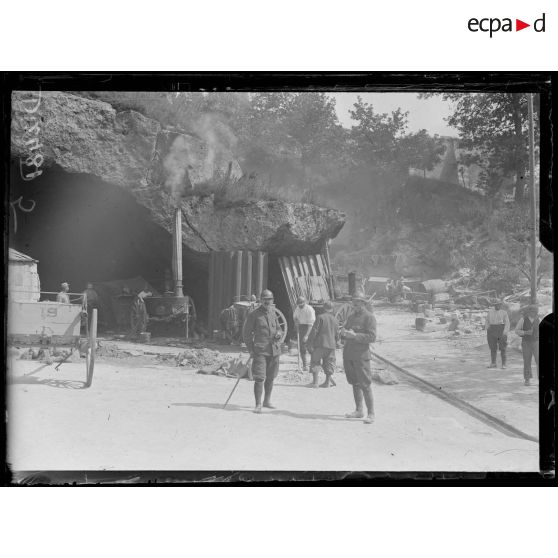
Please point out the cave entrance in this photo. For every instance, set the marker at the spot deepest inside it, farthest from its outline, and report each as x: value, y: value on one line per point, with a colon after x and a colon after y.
x: 82, y: 230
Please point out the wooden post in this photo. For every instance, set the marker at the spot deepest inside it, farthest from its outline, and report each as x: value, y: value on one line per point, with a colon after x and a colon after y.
x: 249, y: 274
x: 533, y: 200
x: 187, y: 317
x: 210, y: 291
x: 329, y: 270
x: 238, y: 274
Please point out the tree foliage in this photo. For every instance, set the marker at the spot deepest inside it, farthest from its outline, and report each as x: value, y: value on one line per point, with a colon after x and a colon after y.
x: 493, y: 132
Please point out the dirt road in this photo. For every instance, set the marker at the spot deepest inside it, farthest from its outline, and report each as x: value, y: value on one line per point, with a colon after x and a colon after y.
x: 165, y: 418
x: 458, y: 365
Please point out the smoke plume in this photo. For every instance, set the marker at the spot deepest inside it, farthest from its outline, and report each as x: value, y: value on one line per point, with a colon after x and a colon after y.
x: 177, y: 164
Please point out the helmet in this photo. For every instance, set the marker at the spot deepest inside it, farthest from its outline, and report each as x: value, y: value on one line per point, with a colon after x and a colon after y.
x: 266, y: 293
x: 328, y: 306
x: 301, y: 300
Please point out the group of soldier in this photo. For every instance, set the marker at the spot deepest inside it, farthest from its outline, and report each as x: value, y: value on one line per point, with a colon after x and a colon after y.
x: 497, y: 328
x: 319, y: 337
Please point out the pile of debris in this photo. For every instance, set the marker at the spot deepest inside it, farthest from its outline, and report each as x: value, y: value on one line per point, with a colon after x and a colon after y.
x: 198, y: 358
x: 48, y: 356
x: 111, y: 350
x: 456, y: 322
x: 295, y: 377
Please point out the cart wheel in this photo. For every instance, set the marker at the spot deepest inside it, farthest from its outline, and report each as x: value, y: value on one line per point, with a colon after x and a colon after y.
x: 282, y: 324
x: 92, y: 346
x: 342, y: 313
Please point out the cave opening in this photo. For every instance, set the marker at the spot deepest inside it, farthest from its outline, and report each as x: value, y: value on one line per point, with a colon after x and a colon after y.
x: 82, y: 230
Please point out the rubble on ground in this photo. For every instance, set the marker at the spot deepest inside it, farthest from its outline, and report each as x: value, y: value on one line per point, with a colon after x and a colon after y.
x: 45, y: 355
x: 384, y: 376
x: 111, y: 350
x: 295, y: 376
x: 198, y: 358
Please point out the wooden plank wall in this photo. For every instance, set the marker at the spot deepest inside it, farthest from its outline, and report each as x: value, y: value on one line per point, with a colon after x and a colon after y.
x: 306, y: 275
x: 233, y: 275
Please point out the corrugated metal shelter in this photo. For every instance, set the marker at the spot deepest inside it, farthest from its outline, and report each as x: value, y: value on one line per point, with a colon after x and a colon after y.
x: 23, y: 279
x: 233, y: 276
x: 308, y: 276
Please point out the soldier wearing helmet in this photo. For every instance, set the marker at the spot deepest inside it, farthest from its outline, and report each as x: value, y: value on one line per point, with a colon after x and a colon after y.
x: 261, y: 333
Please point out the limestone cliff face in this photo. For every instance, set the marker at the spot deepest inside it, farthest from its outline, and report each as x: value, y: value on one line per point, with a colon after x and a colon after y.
x: 162, y: 168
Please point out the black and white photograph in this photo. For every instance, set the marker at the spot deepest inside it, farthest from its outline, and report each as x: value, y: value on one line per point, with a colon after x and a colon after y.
x: 276, y: 278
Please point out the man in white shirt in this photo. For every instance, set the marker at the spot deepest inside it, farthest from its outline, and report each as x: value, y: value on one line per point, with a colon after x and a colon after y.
x: 497, y: 329
x: 304, y: 318
x: 63, y: 295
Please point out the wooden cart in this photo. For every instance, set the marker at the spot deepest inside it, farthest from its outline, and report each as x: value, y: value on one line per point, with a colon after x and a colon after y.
x: 51, y: 325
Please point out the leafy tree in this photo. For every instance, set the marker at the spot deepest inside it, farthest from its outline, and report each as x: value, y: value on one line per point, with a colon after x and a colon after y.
x: 382, y: 140
x: 421, y: 151
x: 493, y: 131
x: 300, y: 127
x: 377, y: 136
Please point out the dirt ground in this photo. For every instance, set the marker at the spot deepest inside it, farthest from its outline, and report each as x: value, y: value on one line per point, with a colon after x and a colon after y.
x: 458, y: 365
x: 142, y: 413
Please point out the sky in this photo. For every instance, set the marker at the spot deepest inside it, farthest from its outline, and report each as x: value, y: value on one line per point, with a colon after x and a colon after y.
x: 423, y: 113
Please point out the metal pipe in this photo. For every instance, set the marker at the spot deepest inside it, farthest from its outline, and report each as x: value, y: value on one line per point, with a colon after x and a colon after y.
x: 352, y: 283
x: 177, y: 253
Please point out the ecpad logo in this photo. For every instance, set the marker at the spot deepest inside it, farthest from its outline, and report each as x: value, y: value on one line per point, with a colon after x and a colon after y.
x: 494, y: 24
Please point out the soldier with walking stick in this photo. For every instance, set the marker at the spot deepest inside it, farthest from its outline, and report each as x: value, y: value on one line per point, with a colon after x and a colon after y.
x: 262, y: 334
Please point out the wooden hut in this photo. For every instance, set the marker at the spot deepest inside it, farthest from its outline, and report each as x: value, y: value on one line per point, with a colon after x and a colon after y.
x: 23, y: 278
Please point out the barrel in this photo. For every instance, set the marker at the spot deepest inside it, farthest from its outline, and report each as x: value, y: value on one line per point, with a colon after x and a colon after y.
x: 420, y: 324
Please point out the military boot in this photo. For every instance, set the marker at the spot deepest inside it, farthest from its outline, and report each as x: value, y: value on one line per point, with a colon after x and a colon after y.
x: 327, y: 382
x: 267, y: 397
x: 258, y: 390
x: 359, y: 402
x: 315, y: 382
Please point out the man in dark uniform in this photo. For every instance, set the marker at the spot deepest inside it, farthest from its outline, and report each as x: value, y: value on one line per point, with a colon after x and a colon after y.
x: 322, y: 342
x: 261, y: 333
x: 359, y: 331
x: 230, y: 324
x: 528, y: 329
x: 138, y: 314
x: 91, y: 300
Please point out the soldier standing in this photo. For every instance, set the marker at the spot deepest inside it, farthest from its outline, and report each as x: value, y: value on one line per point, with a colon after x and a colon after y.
x: 528, y: 329
x: 138, y: 314
x: 261, y: 333
x: 304, y: 318
x: 63, y: 296
x: 322, y: 343
x: 359, y: 331
x: 497, y: 329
